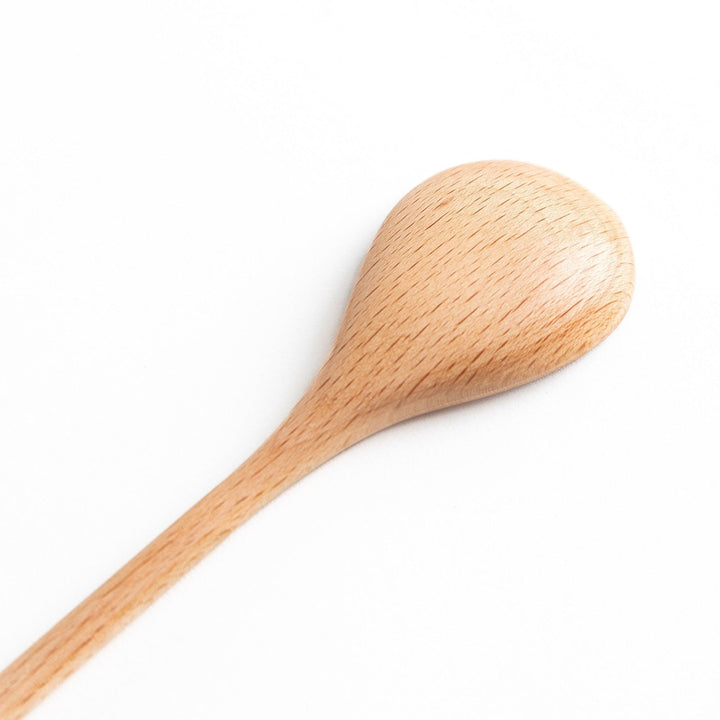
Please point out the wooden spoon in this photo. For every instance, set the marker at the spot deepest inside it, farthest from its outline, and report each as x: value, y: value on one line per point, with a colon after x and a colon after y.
x: 482, y: 278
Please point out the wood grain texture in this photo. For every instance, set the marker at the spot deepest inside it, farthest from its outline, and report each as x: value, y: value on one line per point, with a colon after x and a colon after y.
x: 484, y: 277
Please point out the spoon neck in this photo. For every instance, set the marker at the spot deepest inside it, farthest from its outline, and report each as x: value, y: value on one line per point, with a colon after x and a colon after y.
x: 321, y: 425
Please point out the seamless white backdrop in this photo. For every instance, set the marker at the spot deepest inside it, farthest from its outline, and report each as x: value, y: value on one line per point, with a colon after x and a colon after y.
x: 186, y: 192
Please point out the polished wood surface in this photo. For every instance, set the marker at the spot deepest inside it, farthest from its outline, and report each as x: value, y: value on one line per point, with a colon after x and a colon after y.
x: 484, y: 277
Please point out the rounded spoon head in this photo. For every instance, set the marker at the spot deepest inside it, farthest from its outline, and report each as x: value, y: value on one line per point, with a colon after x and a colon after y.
x: 484, y: 277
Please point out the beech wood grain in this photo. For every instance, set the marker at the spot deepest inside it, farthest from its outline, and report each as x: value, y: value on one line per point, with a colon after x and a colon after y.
x: 484, y: 277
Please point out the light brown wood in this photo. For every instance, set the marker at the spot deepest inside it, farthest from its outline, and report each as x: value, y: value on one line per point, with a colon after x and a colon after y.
x: 484, y: 277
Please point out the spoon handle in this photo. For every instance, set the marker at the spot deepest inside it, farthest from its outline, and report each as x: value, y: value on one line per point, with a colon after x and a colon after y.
x: 283, y: 459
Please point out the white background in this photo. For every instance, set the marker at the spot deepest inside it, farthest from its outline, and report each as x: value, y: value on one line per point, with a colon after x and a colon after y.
x: 186, y: 192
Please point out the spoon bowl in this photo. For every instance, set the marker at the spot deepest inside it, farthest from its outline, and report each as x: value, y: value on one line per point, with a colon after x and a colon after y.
x: 484, y: 277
